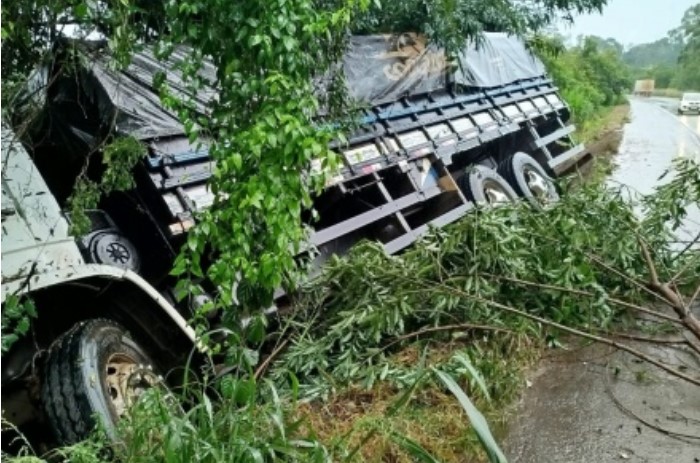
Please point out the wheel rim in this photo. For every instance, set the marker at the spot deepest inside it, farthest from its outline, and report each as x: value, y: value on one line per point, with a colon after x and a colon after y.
x: 495, y: 193
x: 126, y: 380
x: 538, y: 185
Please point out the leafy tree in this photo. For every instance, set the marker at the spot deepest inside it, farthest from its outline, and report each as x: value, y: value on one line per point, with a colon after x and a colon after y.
x: 689, y: 60
x: 661, y: 52
x: 602, y: 44
x: 449, y: 22
x: 662, y: 74
x: 590, y: 75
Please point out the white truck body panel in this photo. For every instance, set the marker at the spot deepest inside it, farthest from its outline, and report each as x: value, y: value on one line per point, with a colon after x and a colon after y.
x: 35, y: 236
x: 37, y: 249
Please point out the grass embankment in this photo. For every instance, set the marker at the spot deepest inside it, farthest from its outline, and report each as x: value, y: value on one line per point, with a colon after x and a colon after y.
x: 602, y: 137
x: 433, y: 418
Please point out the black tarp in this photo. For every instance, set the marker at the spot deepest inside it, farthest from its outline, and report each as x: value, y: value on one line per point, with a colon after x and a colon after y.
x: 378, y: 69
x: 139, y: 111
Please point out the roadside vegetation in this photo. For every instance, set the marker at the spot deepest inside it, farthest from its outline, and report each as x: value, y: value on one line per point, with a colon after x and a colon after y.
x: 382, y: 358
x: 592, y: 77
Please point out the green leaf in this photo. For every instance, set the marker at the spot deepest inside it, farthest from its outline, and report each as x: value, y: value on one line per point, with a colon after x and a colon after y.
x: 477, y: 420
x: 255, y: 40
x: 289, y: 43
x: 474, y: 373
x: 413, y: 448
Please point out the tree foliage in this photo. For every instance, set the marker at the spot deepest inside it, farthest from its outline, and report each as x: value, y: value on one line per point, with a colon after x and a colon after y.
x: 673, y: 61
x: 591, y: 75
x: 261, y: 130
x: 663, y: 52
x: 689, y: 61
x: 449, y: 22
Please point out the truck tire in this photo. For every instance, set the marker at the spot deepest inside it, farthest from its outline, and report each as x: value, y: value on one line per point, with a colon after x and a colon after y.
x: 483, y: 186
x: 529, y: 179
x: 94, y: 371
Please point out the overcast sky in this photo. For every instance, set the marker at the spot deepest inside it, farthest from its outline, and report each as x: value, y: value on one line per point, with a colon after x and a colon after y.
x: 631, y: 21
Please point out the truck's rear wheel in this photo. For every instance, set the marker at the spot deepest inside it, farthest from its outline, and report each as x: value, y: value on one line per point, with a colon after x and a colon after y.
x: 94, y: 371
x: 485, y: 186
x: 529, y: 179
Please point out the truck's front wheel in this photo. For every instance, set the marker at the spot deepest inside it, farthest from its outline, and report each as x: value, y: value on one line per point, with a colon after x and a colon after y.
x: 94, y: 371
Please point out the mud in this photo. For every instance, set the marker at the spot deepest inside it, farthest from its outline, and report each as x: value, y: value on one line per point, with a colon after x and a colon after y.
x: 594, y: 404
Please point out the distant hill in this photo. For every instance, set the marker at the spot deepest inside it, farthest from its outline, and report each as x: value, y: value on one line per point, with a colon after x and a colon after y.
x: 663, y: 52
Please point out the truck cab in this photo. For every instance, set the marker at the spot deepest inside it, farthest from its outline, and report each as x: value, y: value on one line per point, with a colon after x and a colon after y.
x: 93, y: 319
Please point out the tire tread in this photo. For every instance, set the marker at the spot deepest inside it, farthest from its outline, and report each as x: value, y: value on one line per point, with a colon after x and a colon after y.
x: 63, y: 393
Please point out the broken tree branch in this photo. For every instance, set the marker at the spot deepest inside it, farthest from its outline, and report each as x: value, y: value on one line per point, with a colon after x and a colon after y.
x: 263, y: 366
x: 581, y: 292
x: 672, y: 297
x: 437, y: 329
x: 566, y: 329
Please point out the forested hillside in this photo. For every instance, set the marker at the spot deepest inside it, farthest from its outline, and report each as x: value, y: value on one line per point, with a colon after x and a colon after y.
x: 674, y: 61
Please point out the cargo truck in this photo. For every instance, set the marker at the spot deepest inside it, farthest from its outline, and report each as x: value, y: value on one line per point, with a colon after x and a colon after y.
x: 644, y: 87
x: 435, y: 139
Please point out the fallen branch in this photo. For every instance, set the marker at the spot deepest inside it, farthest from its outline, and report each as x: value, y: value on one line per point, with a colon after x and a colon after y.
x: 574, y: 331
x: 635, y: 337
x: 636, y: 283
x: 691, y: 343
x: 263, y: 366
x: 689, y: 245
x: 581, y: 292
x: 674, y: 299
x: 437, y: 329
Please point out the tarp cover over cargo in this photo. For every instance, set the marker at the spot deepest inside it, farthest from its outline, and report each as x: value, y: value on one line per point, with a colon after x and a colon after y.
x: 378, y: 69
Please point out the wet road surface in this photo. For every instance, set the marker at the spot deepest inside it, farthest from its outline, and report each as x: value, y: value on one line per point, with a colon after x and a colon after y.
x: 655, y: 136
x: 595, y: 405
x: 591, y: 403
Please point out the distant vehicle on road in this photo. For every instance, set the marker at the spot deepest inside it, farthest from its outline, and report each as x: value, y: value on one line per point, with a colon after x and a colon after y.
x: 644, y: 87
x: 689, y: 103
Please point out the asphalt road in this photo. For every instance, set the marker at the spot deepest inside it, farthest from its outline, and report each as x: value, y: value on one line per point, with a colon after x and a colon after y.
x: 593, y: 403
x: 655, y: 136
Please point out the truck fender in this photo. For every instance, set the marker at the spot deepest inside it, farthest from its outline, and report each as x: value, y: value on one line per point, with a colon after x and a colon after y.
x: 70, y: 274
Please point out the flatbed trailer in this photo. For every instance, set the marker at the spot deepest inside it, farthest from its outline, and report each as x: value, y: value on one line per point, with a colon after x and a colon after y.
x: 405, y: 164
